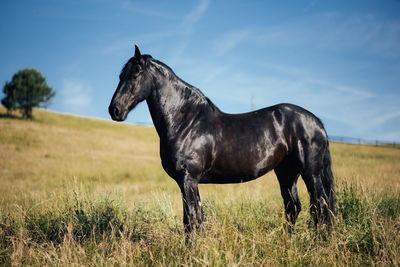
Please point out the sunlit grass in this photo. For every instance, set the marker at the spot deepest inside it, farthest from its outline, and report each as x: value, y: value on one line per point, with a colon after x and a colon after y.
x: 93, y: 192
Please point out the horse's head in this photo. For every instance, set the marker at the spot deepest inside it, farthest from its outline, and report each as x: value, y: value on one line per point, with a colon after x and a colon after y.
x: 134, y: 86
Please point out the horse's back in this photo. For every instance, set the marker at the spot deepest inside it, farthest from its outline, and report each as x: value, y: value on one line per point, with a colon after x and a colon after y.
x: 282, y: 123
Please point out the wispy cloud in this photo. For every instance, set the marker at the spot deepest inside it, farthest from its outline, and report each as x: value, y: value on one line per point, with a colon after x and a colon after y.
x: 213, y: 73
x: 230, y: 40
x: 75, y: 94
x: 311, y: 5
x: 181, y: 31
x: 191, y: 19
x: 328, y: 31
x: 187, y: 28
x: 138, y: 8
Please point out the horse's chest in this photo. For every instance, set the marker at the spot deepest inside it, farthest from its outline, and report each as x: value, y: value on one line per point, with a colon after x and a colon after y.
x: 172, y: 159
x: 187, y: 155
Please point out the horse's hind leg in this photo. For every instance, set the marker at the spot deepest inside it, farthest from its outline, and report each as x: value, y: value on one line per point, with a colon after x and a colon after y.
x: 319, y: 208
x: 287, y: 176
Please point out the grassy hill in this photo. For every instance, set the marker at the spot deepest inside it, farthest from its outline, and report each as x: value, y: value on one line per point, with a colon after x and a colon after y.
x: 92, y: 192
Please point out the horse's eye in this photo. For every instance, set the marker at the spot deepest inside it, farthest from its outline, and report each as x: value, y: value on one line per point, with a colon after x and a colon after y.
x: 135, y: 71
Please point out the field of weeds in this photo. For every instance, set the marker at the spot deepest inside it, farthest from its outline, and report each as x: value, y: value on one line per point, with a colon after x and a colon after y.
x: 78, y: 191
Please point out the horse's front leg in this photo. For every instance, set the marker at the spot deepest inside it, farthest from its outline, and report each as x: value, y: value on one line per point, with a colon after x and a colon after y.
x: 192, y: 211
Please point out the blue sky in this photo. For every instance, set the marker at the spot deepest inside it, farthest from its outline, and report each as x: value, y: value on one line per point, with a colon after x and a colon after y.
x: 338, y: 59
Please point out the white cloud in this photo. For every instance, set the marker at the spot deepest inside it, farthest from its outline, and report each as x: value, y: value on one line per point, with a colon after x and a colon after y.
x: 76, y: 95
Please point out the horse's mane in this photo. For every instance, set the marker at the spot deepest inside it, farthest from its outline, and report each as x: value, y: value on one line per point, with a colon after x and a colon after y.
x: 167, y: 71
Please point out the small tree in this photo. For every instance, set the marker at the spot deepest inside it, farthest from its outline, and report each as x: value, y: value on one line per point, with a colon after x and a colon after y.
x: 27, y: 89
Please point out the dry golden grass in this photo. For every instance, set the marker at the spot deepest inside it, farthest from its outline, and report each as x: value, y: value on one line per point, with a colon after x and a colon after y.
x: 376, y: 168
x: 61, y: 173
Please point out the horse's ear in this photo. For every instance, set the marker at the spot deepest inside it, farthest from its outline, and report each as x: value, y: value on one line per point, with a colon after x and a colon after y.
x: 137, y: 53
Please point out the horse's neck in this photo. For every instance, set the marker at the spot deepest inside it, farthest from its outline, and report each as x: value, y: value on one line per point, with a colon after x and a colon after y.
x: 173, y: 102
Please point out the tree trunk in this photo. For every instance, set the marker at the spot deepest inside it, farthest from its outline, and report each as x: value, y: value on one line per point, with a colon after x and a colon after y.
x: 27, y: 113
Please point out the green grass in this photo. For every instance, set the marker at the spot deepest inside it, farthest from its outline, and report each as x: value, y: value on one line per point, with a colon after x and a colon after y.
x: 78, y: 191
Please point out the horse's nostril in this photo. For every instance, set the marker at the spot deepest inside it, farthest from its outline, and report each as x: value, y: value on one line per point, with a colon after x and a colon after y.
x: 116, y: 112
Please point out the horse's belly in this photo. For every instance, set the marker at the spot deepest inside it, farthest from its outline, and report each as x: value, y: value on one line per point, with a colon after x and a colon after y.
x: 244, y: 165
x: 239, y: 172
x: 227, y: 178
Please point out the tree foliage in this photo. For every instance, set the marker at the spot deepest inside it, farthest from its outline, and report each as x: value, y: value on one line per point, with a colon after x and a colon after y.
x: 27, y: 89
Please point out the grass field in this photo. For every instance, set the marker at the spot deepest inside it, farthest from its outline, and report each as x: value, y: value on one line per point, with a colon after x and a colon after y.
x: 78, y: 191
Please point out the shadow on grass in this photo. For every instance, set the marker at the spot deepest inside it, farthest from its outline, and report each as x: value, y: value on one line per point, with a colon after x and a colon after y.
x: 10, y: 116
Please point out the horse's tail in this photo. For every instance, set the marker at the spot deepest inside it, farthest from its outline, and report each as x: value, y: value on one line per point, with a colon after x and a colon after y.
x: 327, y: 180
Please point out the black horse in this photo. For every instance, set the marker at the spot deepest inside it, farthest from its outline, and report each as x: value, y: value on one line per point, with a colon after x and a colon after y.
x: 201, y: 144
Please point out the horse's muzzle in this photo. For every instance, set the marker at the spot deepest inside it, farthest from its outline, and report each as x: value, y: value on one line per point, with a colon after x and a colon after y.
x: 116, y: 113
